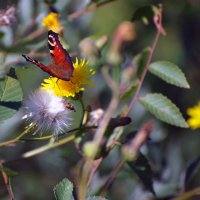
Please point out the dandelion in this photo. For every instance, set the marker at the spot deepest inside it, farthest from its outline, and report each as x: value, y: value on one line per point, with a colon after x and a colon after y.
x: 52, y: 22
x: 47, y: 112
x: 194, y: 113
x: 70, y: 88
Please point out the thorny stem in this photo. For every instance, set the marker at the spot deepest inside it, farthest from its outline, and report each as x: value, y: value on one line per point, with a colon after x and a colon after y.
x: 17, y: 138
x: 158, y: 23
x: 88, y: 9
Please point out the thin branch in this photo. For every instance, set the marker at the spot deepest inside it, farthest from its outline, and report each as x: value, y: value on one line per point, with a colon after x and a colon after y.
x: 99, y: 134
x: 7, y: 182
x: 111, y: 177
x: 95, y: 166
x: 160, y: 30
x: 9, y: 142
x: 88, y: 9
x: 48, y: 147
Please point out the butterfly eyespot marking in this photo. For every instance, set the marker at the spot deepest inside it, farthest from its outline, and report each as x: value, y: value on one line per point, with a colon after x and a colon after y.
x: 51, y: 40
x: 62, y: 65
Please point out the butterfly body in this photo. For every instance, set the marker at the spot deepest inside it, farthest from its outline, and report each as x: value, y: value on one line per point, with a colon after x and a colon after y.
x: 62, y: 66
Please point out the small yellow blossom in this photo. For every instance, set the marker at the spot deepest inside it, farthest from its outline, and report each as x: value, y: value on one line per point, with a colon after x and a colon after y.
x: 52, y: 22
x: 69, y: 88
x: 194, y: 113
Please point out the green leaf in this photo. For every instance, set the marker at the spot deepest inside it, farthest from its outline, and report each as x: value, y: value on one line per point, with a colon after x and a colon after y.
x: 10, y: 90
x: 63, y: 191
x: 130, y: 91
x: 6, y: 113
x: 170, y: 73
x: 145, y: 13
x: 9, y: 171
x: 163, y: 109
x: 142, y: 168
x: 141, y: 61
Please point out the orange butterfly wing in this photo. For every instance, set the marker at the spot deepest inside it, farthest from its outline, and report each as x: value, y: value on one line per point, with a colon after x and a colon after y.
x: 62, y: 66
x: 62, y: 62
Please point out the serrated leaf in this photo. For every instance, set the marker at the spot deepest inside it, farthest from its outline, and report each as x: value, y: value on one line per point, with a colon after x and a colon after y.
x: 145, y: 13
x: 163, y: 108
x: 10, y: 90
x: 63, y: 191
x: 142, y: 168
x: 170, y: 73
x: 6, y: 113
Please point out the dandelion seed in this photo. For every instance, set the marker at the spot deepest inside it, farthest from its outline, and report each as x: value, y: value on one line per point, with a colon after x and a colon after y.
x: 48, y: 112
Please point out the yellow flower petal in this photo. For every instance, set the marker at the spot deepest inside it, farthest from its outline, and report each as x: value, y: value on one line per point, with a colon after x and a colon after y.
x: 194, y: 113
x: 52, y: 22
x: 76, y: 83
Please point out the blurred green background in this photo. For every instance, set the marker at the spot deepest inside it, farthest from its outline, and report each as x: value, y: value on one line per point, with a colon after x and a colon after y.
x: 170, y: 150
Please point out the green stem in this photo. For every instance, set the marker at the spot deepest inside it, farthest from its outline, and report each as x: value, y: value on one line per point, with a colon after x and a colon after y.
x: 83, y: 112
x: 17, y: 138
x: 48, y: 147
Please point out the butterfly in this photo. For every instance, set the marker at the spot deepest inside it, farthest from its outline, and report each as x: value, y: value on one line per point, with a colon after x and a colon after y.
x: 62, y: 66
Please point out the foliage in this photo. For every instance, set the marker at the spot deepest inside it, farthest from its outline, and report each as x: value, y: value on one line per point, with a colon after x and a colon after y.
x: 76, y: 127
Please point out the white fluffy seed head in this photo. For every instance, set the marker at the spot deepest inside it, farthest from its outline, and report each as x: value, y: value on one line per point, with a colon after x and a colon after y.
x: 47, y: 111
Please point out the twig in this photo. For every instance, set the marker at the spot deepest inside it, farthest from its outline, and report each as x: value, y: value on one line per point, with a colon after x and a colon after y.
x: 48, y: 147
x: 95, y: 166
x: 88, y: 9
x: 7, y: 182
x: 189, y: 195
x: 130, y: 150
x: 108, y: 114
x: 160, y: 30
x: 111, y: 177
x: 99, y: 134
x: 9, y: 142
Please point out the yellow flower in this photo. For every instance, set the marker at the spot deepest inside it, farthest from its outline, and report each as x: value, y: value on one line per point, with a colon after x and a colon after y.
x: 194, y: 113
x: 70, y: 88
x: 52, y: 22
